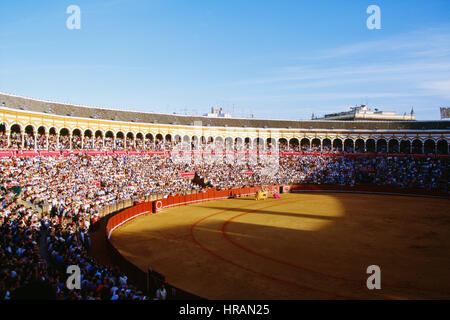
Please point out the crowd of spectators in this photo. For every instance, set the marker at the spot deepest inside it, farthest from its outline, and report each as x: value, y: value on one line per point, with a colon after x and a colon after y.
x: 42, y: 141
x: 76, y: 187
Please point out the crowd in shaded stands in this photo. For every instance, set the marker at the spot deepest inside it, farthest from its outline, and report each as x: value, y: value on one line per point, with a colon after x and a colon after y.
x: 76, y: 187
x: 67, y: 243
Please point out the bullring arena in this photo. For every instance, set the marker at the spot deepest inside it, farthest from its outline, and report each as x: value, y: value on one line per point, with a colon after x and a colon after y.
x: 304, y: 246
x: 118, y: 193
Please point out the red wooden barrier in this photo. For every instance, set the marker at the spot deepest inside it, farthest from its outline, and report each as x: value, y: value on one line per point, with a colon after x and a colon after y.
x: 169, y: 201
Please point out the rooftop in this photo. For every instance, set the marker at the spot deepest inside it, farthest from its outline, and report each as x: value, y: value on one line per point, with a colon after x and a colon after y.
x: 69, y: 110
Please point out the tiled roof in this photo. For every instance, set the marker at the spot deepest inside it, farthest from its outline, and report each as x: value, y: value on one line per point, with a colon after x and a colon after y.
x: 62, y: 109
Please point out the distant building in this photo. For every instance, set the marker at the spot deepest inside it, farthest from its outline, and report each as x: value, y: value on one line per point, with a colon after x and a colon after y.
x: 364, y: 113
x: 445, y: 113
x: 217, y: 113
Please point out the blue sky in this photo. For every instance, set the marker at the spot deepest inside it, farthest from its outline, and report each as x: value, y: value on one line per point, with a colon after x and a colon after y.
x: 272, y: 59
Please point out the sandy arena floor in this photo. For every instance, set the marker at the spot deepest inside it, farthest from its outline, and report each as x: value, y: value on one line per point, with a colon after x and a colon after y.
x: 304, y: 246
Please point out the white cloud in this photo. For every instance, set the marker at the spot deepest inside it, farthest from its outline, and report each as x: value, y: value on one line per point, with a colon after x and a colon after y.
x: 441, y: 88
x: 292, y: 74
x: 429, y: 42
